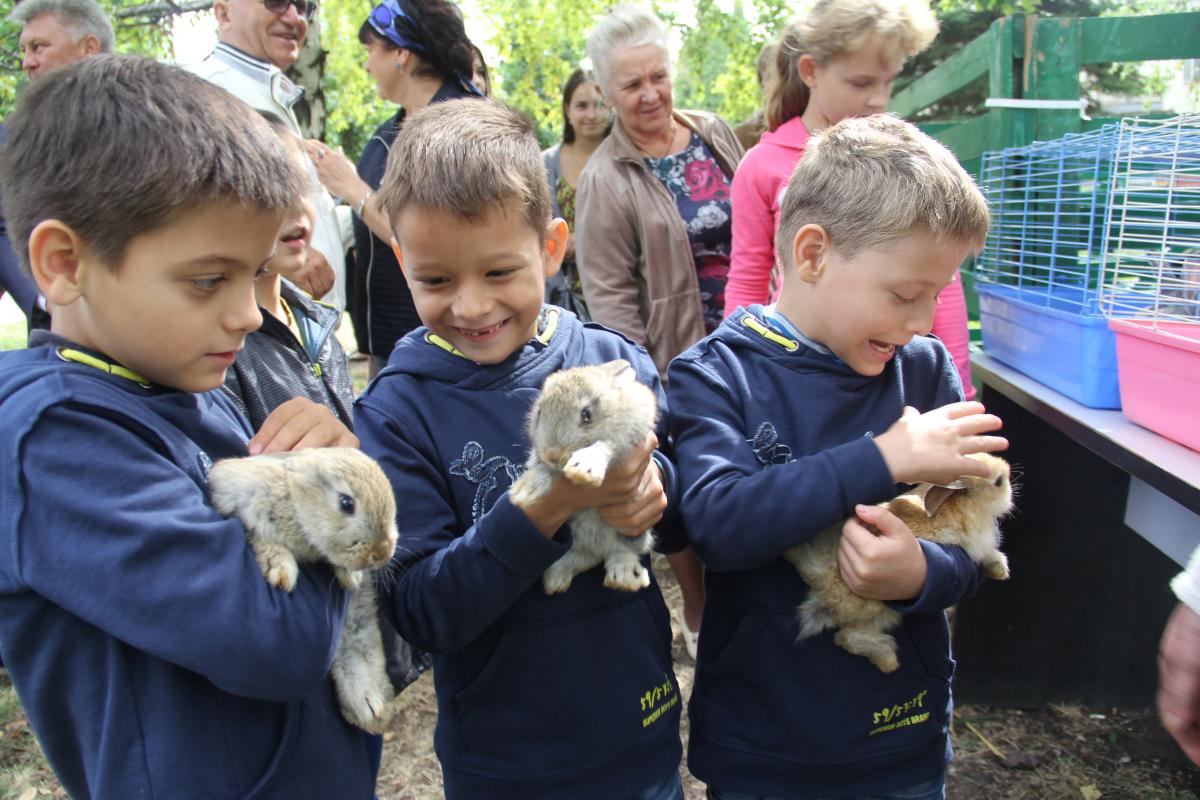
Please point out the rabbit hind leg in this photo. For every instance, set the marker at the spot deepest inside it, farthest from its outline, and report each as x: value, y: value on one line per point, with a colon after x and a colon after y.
x: 359, y: 670
x: 623, y: 570
x: 871, y: 641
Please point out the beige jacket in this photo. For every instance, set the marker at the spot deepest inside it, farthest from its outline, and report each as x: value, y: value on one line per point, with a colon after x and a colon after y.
x: 634, y: 256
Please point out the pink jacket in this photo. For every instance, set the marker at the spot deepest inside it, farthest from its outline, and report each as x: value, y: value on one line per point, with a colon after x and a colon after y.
x: 757, y: 189
x: 756, y: 193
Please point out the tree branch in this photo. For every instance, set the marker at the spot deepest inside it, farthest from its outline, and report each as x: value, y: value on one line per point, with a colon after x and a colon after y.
x: 160, y: 9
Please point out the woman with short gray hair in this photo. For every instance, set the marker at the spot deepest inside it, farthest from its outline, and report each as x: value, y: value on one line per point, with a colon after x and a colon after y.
x: 653, y: 225
x: 652, y: 207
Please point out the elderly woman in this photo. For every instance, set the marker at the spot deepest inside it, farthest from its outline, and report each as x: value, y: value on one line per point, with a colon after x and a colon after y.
x: 418, y: 53
x: 652, y: 208
x: 653, y: 234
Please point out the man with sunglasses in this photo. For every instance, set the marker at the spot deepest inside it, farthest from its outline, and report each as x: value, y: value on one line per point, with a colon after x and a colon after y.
x: 258, y: 41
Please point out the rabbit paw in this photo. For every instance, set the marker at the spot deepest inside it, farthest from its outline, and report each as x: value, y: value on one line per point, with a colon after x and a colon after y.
x: 367, y: 707
x: 996, y: 567
x: 626, y: 574
x: 558, y: 578
x: 530, y: 487
x: 349, y: 579
x: 588, y: 464
x: 278, y: 565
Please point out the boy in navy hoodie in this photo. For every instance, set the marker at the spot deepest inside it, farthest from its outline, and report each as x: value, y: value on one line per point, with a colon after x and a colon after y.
x: 151, y: 656
x: 564, y: 696
x: 789, y: 419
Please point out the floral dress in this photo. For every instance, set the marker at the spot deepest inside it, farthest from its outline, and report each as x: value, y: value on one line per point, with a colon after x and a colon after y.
x: 701, y: 191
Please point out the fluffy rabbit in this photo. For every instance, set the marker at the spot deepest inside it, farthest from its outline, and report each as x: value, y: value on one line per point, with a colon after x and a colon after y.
x: 585, y: 420
x: 965, y: 513
x: 333, y: 505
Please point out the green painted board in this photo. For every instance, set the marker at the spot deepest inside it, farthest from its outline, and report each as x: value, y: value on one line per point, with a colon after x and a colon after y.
x: 1145, y: 38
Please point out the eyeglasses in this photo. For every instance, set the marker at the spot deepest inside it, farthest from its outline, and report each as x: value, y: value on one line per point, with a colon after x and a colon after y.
x: 305, y: 8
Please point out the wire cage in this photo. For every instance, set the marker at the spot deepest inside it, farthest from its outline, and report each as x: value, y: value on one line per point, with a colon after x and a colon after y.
x: 1150, y: 286
x: 1048, y: 202
x: 1039, y: 274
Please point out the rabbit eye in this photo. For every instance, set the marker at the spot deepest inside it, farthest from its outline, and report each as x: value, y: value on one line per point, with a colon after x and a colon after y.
x: 585, y: 416
x: 999, y: 480
x: 346, y: 502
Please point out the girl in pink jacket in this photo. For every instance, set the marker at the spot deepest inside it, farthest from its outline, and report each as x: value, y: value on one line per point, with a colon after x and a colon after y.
x: 838, y: 61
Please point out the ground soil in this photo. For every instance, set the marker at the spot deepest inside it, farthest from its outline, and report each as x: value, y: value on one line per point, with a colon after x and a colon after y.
x: 1053, y: 753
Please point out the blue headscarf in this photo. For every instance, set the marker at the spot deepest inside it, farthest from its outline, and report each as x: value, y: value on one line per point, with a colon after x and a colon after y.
x: 393, y: 23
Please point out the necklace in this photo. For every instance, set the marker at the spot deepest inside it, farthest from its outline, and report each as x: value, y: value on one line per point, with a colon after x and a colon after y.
x: 670, y: 143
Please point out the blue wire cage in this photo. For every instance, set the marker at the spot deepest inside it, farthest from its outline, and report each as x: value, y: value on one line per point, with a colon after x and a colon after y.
x: 1039, y: 275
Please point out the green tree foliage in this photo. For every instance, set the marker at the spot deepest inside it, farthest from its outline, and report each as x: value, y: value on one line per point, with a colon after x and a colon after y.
x: 353, y: 108
x: 537, y: 47
x: 716, y: 69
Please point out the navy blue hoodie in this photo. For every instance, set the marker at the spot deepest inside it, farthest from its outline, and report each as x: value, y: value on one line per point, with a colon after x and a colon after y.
x: 151, y: 656
x: 571, y: 695
x: 773, y: 445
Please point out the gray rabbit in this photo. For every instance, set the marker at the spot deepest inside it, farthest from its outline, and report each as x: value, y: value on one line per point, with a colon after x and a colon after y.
x: 333, y: 505
x: 585, y: 420
x: 965, y: 513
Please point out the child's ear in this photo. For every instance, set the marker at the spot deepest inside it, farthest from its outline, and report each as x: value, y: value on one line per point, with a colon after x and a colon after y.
x: 810, y: 250
x: 806, y: 66
x: 399, y: 255
x: 556, y: 246
x: 56, y: 261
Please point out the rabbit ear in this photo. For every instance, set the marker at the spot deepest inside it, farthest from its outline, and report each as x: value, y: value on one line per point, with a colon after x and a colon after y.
x: 934, y: 495
x: 620, y: 371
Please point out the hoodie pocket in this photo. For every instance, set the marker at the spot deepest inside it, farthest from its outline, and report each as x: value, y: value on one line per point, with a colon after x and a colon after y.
x: 810, y: 702
x: 569, y: 693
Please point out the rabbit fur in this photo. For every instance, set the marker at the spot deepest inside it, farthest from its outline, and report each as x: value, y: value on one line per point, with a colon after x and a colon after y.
x: 966, y: 514
x: 333, y: 505
x: 585, y: 420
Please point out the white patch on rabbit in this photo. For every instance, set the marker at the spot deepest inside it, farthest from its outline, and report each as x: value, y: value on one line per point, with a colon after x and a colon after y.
x: 333, y: 505
x: 584, y: 421
x: 967, y: 517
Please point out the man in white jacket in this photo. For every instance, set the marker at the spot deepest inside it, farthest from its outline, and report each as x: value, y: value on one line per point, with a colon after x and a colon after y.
x: 257, y: 41
x: 1179, y: 663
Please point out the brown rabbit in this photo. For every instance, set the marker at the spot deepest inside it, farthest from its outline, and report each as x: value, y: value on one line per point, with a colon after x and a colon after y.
x: 329, y: 504
x: 965, y: 513
x: 585, y: 420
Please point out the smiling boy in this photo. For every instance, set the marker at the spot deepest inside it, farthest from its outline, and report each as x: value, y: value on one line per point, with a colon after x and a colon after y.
x: 791, y: 418
x: 149, y: 653
x: 571, y: 695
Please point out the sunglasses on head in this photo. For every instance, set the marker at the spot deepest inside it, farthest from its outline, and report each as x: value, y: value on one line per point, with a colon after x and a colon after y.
x: 305, y: 8
x: 383, y: 15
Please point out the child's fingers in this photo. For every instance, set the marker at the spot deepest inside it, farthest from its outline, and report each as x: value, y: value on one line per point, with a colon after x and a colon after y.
x: 964, y: 408
x: 982, y: 444
x: 977, y: 423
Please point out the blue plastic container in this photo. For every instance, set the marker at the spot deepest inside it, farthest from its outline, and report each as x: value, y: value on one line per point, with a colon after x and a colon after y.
x: 1042, y: 333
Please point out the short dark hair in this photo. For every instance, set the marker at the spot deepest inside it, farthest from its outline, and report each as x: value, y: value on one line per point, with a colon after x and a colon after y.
x: 466, y: 157
x: 118, y: 146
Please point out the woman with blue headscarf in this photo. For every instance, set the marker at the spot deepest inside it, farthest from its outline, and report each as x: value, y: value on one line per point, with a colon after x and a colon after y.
x: 418, y: 53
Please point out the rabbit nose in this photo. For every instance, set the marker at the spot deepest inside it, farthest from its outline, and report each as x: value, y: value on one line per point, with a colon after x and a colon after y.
x: 383, y: 549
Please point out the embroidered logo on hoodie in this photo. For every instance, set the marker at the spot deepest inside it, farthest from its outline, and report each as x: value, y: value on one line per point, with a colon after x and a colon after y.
x: 484, y: 473
x: 768, y: 450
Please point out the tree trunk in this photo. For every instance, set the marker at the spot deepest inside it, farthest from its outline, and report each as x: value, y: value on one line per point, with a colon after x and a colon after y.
x: 307, y: 72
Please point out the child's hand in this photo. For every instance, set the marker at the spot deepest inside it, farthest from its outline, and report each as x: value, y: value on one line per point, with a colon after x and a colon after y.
x: 932, y: 447
x: 300, y: 423
x: 1179, y: 679
x: 315, y: 277
x: 625, y: 495
x: 888, y: 566
x: 645, y: 505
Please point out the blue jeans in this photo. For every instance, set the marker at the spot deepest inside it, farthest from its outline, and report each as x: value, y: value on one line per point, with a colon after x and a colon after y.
x: 933, y: 790
x: 670, y: 789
